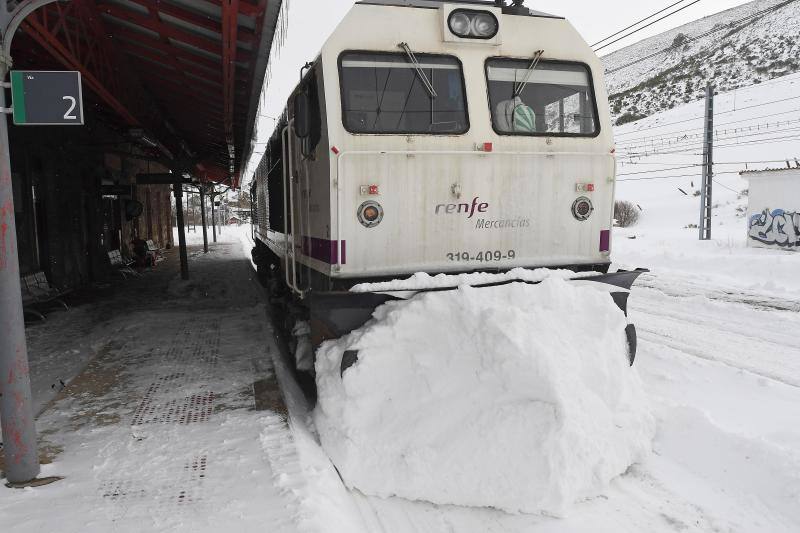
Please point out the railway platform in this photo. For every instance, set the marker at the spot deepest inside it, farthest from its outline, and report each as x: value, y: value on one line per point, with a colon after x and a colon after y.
x: 159, y: 407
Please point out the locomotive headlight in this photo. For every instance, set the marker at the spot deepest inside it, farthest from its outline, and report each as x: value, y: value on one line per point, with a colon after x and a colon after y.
x: 460, y: 23
x: 470, y: 24
x: 370, y: 214
x: 582, y: 208
x: 484, y: 25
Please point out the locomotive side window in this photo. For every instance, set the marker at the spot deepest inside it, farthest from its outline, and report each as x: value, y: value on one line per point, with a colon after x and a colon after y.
x: 553, y: 99
x: 384, y: 93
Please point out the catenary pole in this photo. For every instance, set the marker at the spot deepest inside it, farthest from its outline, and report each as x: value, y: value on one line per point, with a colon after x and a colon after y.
x: 177, y: 190
x: 708, y: 167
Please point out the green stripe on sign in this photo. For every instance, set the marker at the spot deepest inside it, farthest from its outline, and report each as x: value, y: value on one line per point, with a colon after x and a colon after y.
x: 18, y: 96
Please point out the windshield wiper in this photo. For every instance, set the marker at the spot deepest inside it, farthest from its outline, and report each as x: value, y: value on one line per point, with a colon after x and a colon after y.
x: 421, y: 73
x: 537, y: 56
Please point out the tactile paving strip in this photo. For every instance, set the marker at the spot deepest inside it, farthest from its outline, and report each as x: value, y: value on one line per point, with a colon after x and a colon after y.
x: 194, y: 408
x: 192, y: 355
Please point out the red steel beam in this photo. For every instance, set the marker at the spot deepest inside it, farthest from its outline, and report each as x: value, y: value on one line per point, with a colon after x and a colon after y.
x: 129, y: 39
x: 202, y: 42
x: 194, y: 19
x: 149, y: 57
x: 246, y: 8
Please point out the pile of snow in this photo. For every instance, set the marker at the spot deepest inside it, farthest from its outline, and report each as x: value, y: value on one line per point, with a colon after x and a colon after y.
x: 517, y: 397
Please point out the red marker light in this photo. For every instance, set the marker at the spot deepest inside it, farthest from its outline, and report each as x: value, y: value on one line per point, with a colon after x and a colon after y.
x: 373, y: 189
x: 590, y: 187
x: 335, y: 150
x: 487, y: 147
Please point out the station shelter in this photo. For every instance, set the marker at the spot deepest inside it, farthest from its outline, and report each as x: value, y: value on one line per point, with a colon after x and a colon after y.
x: 169, y: 86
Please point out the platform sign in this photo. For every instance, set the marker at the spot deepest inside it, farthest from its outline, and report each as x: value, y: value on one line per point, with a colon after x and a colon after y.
x: 46, y: 97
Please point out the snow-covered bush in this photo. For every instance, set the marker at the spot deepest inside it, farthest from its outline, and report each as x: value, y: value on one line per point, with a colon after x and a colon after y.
x: 625, y: 213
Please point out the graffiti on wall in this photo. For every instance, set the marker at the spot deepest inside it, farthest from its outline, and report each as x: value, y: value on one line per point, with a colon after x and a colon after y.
x: 776, y: 227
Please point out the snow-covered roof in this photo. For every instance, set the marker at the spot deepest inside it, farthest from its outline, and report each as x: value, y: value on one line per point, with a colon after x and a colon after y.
x: 766, y: 170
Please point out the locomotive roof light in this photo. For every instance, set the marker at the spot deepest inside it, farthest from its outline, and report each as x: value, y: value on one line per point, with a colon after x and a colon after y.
x: 370, y: 214
x: 469, y: 24
x: 459, y: 23
x: 463, y: 25
x: 582, y: 208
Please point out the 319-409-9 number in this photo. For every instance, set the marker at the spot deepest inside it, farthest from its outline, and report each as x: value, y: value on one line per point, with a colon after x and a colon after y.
x: 487, y: 255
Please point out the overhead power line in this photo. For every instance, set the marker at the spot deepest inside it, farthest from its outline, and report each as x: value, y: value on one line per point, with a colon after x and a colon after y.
x: 684, y: 132
x: 647, y: 25
x: 710, y: 32
x: 637, y: 22
x: 674, y: 177
x: 698, y: 118
x: 719, y: 135
x: 658, y: 170
x: 686, y: 150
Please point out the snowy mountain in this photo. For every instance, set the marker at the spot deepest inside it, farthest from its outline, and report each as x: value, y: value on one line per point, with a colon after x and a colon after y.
x: 735, y: 48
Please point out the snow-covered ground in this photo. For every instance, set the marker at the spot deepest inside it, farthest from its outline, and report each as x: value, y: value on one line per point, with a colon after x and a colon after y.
x: 658, y: 169
x: 174, y: 424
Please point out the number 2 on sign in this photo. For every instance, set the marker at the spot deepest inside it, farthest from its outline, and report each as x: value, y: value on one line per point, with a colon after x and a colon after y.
x: 68, y: 115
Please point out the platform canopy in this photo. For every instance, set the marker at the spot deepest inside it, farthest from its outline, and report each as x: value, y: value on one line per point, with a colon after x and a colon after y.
x: 183, y: 76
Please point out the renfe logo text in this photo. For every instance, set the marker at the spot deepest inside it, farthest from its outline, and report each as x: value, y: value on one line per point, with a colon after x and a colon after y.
x: 468, y: 209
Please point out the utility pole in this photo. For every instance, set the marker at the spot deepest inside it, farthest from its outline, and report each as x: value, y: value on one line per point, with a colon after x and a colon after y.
x: 177, y: 190
x: 203, y: 217
x: 708, y: 167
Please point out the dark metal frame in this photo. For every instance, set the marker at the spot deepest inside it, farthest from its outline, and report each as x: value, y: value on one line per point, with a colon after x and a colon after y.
x: 598, y: 127
x: 421, y: 55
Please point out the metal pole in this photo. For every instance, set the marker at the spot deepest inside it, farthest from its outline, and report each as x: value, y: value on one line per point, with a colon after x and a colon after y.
x: 708, y: 167
x: 16, y: 406
x: 203, y: 218
x: 213, y: 216
x: 177, y: 190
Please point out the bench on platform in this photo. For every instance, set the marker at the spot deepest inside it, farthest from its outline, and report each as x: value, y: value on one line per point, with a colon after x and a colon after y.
x: 123, y: 266
x: 36, y: 291
x: 154, y: 251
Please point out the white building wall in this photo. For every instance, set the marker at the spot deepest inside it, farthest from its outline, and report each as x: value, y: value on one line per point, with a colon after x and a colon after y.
x: 773, y: 211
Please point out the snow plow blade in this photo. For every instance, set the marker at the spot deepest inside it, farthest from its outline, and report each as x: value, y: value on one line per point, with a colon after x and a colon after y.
x: 335, y: 314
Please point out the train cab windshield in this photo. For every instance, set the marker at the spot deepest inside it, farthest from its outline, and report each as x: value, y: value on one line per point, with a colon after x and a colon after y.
x: 554, y: 99
x: 386, y: 93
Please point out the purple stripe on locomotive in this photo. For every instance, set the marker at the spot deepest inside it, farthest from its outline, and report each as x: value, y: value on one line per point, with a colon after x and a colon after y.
x: 324, y: 250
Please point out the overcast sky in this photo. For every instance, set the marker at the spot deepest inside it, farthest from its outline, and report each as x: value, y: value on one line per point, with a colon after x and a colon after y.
x: 311, y: 21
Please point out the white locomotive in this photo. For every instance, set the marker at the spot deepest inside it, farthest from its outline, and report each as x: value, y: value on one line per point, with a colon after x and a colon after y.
x: 442, y: 137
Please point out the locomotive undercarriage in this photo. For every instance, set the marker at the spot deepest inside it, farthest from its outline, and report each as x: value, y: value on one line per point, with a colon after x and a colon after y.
x: 330, y: 310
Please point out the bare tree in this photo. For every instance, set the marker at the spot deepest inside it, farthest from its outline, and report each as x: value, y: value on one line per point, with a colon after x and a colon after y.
x: 626, y: 213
